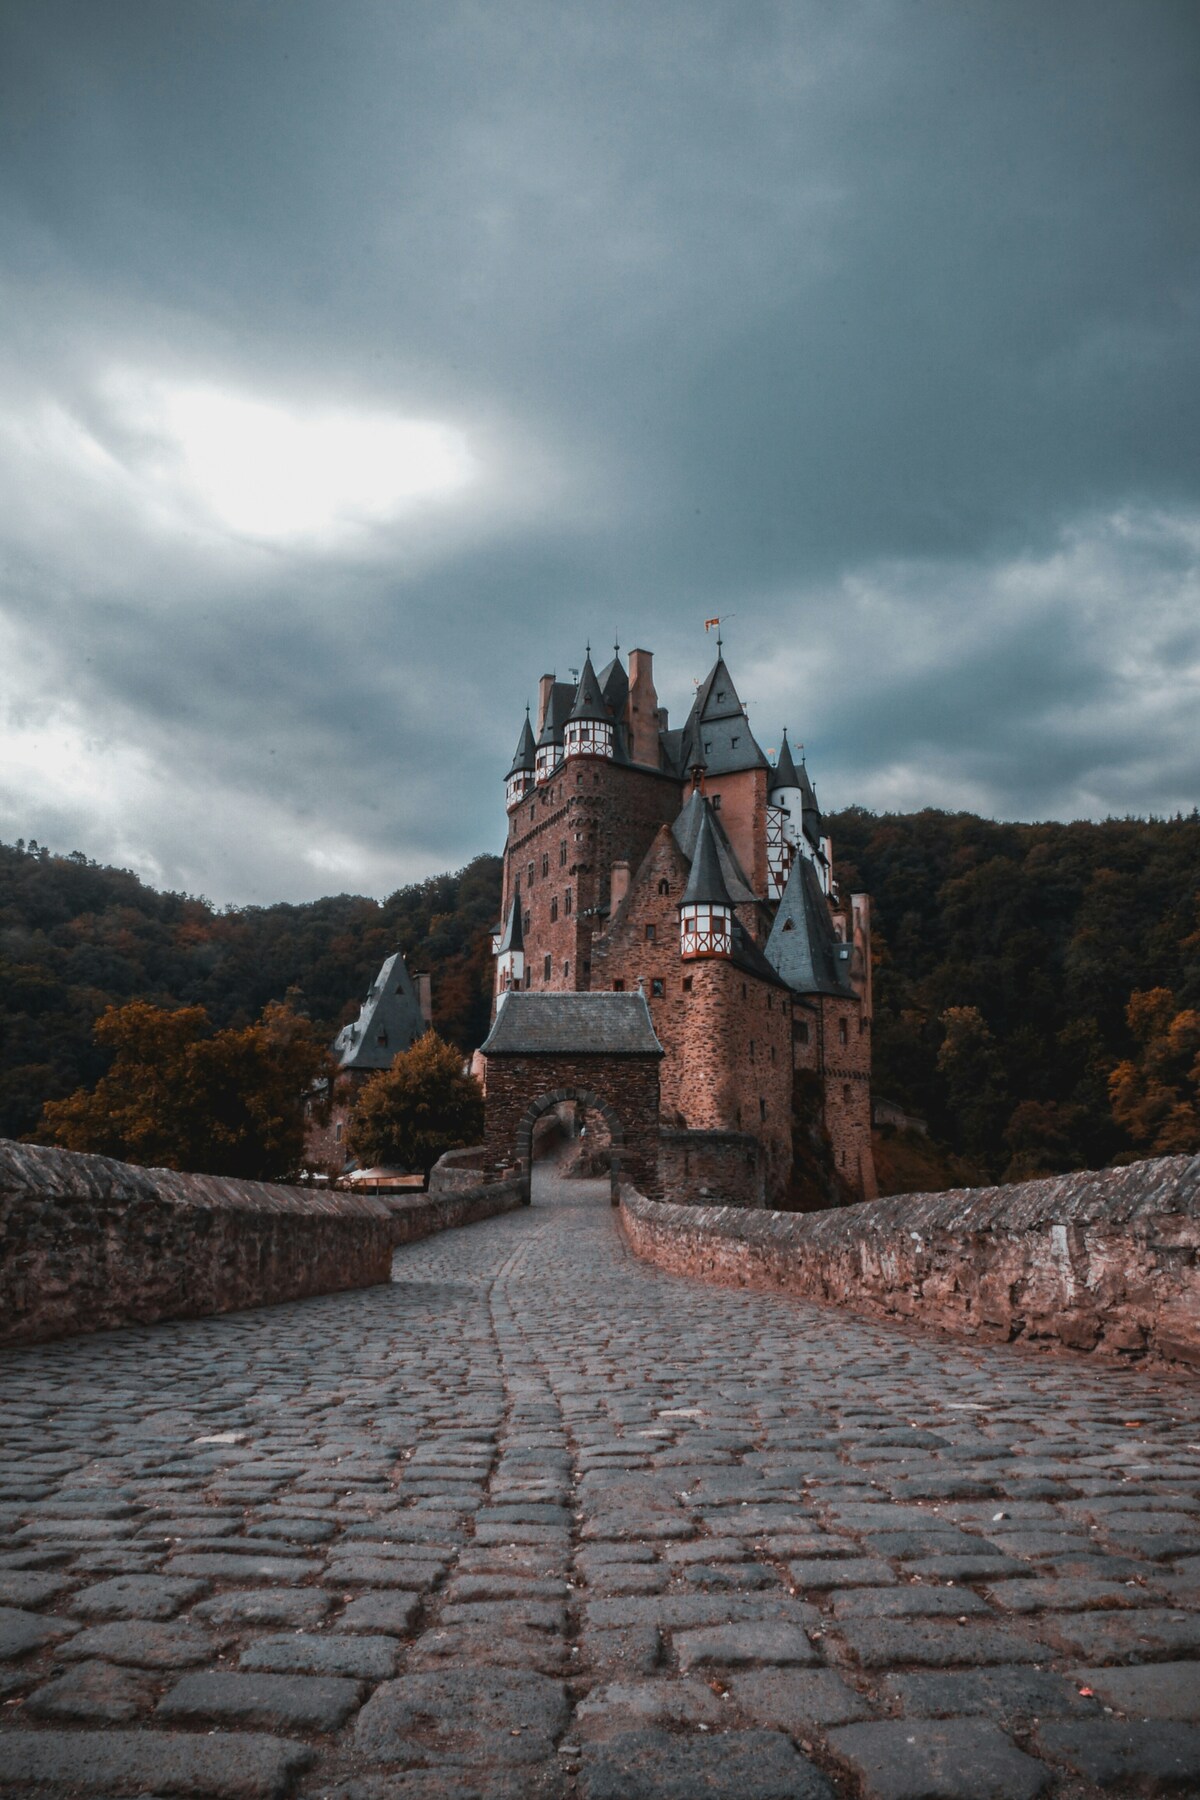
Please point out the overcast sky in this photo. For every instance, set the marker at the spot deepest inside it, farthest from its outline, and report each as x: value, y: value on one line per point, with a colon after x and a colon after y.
x: 358, y: 360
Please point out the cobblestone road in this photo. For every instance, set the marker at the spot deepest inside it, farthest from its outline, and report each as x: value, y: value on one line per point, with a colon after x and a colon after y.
x: 540, y: 1520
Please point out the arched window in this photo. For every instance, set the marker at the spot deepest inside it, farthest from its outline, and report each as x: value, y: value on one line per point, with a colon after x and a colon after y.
x: 664, y: 887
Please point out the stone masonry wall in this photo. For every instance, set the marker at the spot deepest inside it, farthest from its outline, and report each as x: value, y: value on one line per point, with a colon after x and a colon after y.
x: 87, y: 1243
x: 589, y: 815
x: 748, y: 1087
x: 1105, y: 1261
x: 627, y: 1084
x: 711, y: 1167
x: 424, y: 1214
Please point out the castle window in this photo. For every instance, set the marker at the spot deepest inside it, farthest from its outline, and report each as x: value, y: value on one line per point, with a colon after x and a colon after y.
x: 528, y: 921
x: 801, y: 1029
x: 529, y: 873
x: 687, y: 984
x: 789, y: 925
x: 846, y: 1093
x: 650, y: 934
x: 562, y: 854
x: 553, y: 911
x: 733, y: 743
x: 843, y: 1032
x: 529, y: 976
x: 664, y: 887
x: 716, y: 802
x: 762, y: 1109
x: 657, y: 988
x: 567, y: 902
x: 545, y: 862
x: 547, y: 968
x: 517, y: 882
x: 566, y: 968
x: 337, y: 1133
x: 618, y: 987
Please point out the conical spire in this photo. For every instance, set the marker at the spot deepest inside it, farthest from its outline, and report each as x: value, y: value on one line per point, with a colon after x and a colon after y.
x: 706, y: 884
x: 589, y: 701
x: 785, y: 768
x: 803, y: 948
x: 513, y: 936
x: 526, y: 751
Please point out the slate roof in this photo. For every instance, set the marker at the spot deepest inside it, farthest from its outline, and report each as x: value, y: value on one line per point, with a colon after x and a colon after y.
x: 717, y: 732
x: 391, y: 1010
x: 803, y: 946
x: 706, y: 882
x: 513, y: 935
x: 686, y: 832
x: 599, y: 1024
x: 558, y: 711
x: 614, y: 685
x: 589, y: 701
x: 525, y: 755
x: 747, y: 955
x: 785, y: 767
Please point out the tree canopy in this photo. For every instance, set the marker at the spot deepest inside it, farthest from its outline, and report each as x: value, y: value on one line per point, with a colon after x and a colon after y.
x: 179, y: 1095
x: 407, y: 1116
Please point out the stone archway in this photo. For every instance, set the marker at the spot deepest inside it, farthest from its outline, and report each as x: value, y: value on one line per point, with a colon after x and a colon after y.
x: 582, y: 1096
x: 596, y: 1049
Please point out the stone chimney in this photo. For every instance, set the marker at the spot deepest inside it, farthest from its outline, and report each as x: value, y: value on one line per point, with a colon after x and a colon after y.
x: 425, y: 998
x: 643, y: 709
x: 544, y: 687
x: 620, y: 884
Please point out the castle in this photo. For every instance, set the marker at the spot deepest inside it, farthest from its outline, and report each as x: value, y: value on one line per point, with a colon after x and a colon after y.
x: 680, y: 863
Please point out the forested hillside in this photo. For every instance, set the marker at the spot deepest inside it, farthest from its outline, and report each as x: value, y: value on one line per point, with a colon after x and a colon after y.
x: 1007, y: 958
x: 75, y: 938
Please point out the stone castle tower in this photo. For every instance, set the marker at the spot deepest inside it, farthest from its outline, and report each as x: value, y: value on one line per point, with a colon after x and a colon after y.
x: 680, y: 862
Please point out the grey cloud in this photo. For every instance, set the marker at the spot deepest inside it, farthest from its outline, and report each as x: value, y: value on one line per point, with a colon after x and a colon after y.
x: 837, y: 320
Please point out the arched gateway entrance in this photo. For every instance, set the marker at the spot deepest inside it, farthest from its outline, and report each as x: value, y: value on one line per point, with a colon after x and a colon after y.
x: 599, y: 1050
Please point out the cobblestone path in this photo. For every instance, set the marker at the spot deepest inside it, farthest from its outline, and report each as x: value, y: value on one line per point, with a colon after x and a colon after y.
x: 539, y: 1520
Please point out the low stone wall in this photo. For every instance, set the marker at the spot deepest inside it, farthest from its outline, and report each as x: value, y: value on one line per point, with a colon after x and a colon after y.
x: 711, y: 1168
x: 426, y: 1214
x: 458, y: 1170
x: 87, y: 1243
x: 1105, y: 1261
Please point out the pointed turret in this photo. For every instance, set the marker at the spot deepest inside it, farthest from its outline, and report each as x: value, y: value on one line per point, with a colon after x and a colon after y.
x: 803, y: 947
x: 718, y: 732
x: 559, y: 698
x: 706, y: 909
x: 510, y: 950
x: 521, y: 774
x: 389, y: 1020
x: 589, y: 729
x: 785, y: 775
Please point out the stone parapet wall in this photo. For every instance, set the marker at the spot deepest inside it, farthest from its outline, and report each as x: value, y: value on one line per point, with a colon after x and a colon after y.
x: 699, y: 1168
x: 425, y: 1214
x: 458, y: 1170
x: 87, y: 1243
x: 1105, y: 1261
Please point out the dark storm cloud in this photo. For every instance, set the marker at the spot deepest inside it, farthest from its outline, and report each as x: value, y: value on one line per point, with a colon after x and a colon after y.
x: 874, y: 326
